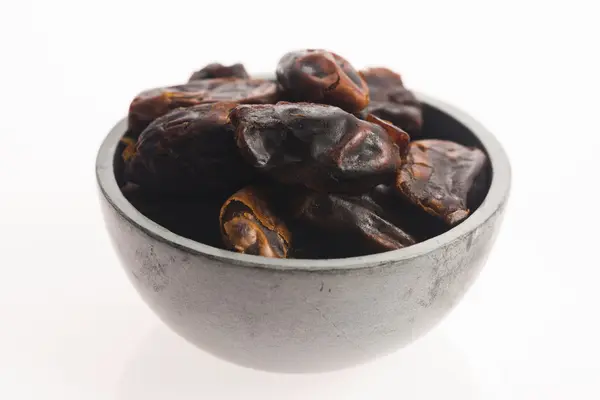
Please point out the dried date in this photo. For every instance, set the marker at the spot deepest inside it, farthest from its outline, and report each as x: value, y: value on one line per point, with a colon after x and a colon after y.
x: 438, y: 176
x: 394, y: 207
x: 319, y: 146
x: 399, y: 137
x: 380, y: 220
x: 380, y: 80
x: 216, y: 70
x: 189, y: 150
x: 356, y: 221
x: 151, y: 104
x: 391, y: 101
x: 321, y: 76
x: 322, y: 154
x: 250, y: 225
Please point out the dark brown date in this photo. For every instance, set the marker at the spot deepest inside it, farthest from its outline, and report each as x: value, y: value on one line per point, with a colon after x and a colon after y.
x: 394, y: 207
x: 321, y: 76
x: 216, y: 70
x: 151, y: 104
x: 343, y: 238
x: 397, y: 135
x: 438, y: 176
x: 189, y: 150
x: 380, y: 80
x: 391, y: 101
x: 249, y: 224
x: 357, y: 221
x: 319, y: 146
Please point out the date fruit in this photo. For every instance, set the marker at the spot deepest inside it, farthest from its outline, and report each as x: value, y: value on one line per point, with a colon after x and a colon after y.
x: 398, y: 136
x: 438, y: 176
x: 391, y: 101
x: 394, y: 207
x: 319, y: 146
x: 358, y: 221
x: 321, y: 76
x: 380, y: 80
x: 189, y: 150
x: 216, y: 70
x: 249, y: 224
x: 151, y: 104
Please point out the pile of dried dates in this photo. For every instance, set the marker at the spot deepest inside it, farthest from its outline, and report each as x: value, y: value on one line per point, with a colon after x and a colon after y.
x: 317, y: 163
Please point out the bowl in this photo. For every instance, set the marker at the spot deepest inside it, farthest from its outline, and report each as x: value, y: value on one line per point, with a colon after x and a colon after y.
x: 299, y: 316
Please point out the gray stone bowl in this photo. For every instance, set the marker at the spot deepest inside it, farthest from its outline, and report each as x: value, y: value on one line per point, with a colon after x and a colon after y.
x: 306, y: 315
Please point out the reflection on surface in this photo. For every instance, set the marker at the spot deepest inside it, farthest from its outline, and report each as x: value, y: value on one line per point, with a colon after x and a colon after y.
x: 167, y: 367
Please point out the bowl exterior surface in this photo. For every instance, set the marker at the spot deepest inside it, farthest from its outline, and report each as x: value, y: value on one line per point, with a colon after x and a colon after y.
x: 293, y: 320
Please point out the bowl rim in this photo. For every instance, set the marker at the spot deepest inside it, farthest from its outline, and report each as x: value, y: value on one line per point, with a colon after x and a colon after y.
x: 493, y: 202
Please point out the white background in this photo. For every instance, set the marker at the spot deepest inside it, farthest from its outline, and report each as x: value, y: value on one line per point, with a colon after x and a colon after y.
x: 72, y: 327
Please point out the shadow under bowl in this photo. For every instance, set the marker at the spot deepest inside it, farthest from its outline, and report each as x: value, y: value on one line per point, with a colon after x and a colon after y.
x: 306, y: 315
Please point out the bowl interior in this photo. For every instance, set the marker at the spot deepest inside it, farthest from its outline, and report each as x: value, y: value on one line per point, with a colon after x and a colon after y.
x: 441, y: 121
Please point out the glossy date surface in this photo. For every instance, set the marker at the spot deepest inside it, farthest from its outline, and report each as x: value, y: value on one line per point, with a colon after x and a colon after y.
x: 438, y: 176
x: 391, y: 101
x: 321, y: 76
x: 321, y: 147
x: 189, y: 150
x: 358, y: 221
x: 217, y: 70
x: 153, y: 103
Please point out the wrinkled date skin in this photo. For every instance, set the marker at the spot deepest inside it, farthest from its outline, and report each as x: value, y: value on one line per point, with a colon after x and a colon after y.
x: 321, y: 76
x: 357, y: 221
x: 394, y: 207
x: 249, y: 224
x: 391, y: 101
x: 151, y: 104
x: 321, y: 147
x: 401, y: 138
x: 216, y: 70
x: 189, y: 150
x: 438, y: 176
x: 379, y: 80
